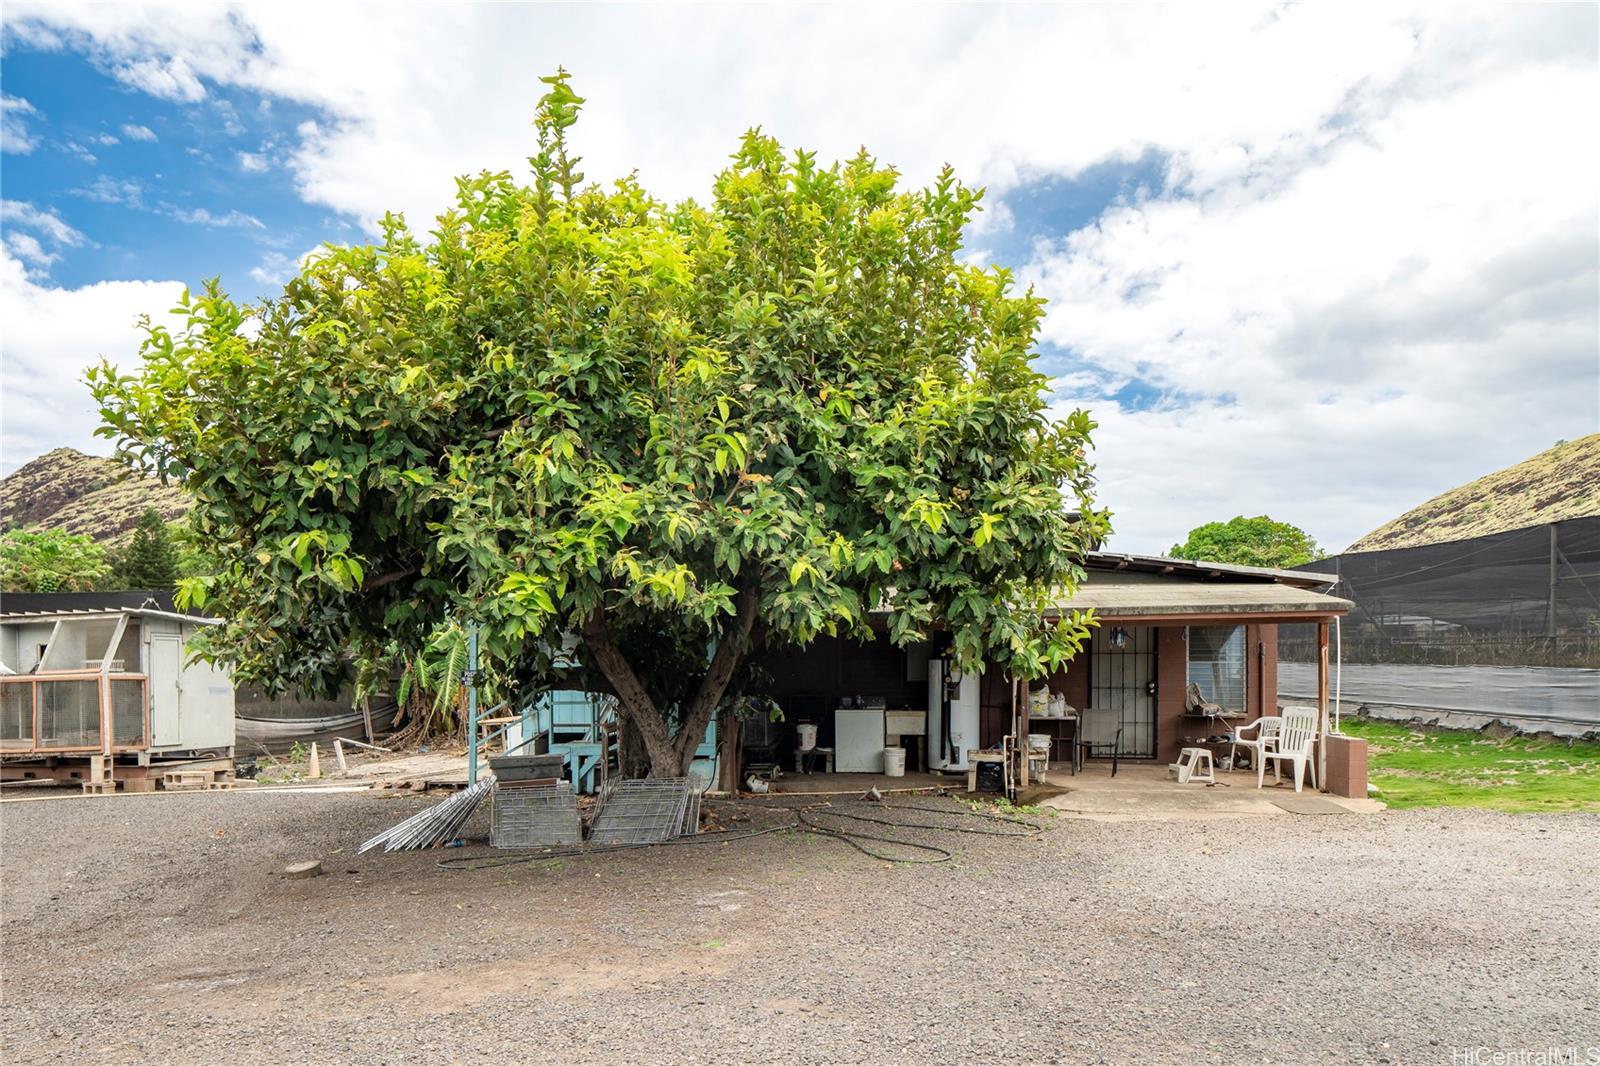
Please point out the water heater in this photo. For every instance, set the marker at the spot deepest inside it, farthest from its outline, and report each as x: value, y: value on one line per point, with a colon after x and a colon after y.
x: 952, y: 716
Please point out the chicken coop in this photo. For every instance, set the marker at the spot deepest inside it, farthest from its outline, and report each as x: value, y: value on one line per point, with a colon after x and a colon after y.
x: 110, y: 694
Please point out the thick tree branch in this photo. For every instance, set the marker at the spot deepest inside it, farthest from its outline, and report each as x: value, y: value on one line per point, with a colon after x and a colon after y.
x: 387, y: 579
x: 724, y: 662
x: 632, y: 698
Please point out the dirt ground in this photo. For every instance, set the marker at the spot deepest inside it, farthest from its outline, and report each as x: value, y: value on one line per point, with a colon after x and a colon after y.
x: 160, y: 929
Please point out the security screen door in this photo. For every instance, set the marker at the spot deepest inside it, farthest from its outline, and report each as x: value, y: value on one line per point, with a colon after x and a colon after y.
x: 1120, y: 679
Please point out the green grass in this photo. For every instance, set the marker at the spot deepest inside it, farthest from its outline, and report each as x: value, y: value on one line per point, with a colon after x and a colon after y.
x: 1457, y: 768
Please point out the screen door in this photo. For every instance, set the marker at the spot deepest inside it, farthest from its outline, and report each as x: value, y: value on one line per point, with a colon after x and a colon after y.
x: 1122, y: 669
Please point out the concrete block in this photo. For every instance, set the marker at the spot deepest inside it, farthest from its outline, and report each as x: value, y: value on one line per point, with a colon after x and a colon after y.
x: 1347, y: 767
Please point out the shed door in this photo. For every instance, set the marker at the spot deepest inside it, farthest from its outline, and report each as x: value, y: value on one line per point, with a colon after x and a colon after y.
x: 1120, y: 679
x: 166, y: 663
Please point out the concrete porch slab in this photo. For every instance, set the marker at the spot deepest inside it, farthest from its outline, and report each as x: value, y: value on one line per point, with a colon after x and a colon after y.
x: 1148, y: 792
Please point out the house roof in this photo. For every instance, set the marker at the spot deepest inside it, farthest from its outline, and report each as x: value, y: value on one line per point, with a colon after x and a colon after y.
x: 1184, y: 599
x: 49, y: 606
x: 1121, y: 585
x: 68, y: 602
x: 1181, y: 569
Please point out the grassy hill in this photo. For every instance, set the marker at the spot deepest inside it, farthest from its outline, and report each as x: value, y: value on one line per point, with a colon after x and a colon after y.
x: 80, y: 493
x: 1563, y: 482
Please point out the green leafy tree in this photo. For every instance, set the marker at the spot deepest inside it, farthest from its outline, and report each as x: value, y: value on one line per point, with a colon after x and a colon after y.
x: 150, y: 560
x: 628, y: 441
x: 192, y: 556
x: 50, y: 560
x: 1258, y: 541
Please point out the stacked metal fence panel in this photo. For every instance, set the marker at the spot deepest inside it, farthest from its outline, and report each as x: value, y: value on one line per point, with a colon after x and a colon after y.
x: 434, y: 827
x: 642, y: 811
x: 542, y: 816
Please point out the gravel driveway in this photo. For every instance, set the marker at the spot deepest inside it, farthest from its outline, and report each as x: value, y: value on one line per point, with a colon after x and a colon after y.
x: 158, y: 929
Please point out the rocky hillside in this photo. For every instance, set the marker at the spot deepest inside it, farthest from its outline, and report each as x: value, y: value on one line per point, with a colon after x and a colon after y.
x: 1563, y: 482
x: 83, y: 494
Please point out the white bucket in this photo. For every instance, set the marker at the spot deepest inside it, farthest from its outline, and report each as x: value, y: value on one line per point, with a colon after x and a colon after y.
x: 806, y: 734
x: 1039, y: 743
x: 894, y: 762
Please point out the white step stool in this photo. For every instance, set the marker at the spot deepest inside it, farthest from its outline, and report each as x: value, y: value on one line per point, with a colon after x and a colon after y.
x: 1194, y: 764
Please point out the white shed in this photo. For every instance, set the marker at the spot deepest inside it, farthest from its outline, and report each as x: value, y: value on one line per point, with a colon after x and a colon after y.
x: 113, y: 681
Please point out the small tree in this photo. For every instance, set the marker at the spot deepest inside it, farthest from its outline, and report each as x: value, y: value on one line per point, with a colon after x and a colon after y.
x: 50, y: 560
x: 150, y: 560
x: 1258, y: 541
x: 627, y: 441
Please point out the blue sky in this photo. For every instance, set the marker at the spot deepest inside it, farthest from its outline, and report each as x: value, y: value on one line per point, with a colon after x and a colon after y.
x: 159, y: 188
x: 1319, y: 262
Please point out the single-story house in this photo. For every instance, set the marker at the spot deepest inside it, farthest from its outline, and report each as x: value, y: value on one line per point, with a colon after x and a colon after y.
x: 1164, y: 624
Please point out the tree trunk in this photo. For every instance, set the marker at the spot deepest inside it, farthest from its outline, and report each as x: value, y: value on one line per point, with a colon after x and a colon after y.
x: 724, y: 662
x: 670, y: 755
x: 632, y: 757
x: 633, y: 703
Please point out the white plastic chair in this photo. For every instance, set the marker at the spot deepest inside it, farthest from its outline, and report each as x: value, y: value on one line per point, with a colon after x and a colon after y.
x: 1296, y: 736
x: 1264, y: 740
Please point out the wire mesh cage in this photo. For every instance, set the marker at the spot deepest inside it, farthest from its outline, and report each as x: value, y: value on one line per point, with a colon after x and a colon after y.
x: 127, y: 711
x: 69, y: 714
x: 537, y: 817
x: 16, y: 714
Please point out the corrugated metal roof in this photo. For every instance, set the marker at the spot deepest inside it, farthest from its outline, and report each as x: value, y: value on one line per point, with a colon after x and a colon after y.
x: 1111, y: 599
x: 143, y: 612
x: 1164, y: 566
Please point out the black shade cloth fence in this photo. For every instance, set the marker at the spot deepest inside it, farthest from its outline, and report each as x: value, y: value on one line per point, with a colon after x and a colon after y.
x: 1525, y: 597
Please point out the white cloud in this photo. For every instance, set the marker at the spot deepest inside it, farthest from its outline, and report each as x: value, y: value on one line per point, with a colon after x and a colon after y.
x: 253, y: 163
x: 1376, y: 277
x: 26, y: 246
x: 276, y: 268
x: 108, y: 190
x: 16, y: 135
x: 15, y: 213
x: 201, y: 217
x: 136, y: 132
x: 52, y: 336
x: 1391, y: 315
x: 170, y: 79
x: 80, y: 152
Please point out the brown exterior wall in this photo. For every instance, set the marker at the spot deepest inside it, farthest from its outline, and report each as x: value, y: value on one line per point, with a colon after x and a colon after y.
x: 1172, y: 671
x: 809, y: 683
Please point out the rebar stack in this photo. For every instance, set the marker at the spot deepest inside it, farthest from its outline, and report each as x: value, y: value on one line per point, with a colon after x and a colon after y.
x: 437, y: 825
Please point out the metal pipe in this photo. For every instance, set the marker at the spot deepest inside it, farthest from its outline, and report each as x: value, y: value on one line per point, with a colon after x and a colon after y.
x: 472, y: 706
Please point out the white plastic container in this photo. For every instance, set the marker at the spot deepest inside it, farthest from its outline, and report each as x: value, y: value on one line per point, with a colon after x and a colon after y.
x: 1039, y: 742
x: 806, y: 734
x: 894, y: 762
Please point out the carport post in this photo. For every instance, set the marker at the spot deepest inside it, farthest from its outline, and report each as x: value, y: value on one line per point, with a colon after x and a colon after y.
x: 1322, y: 705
